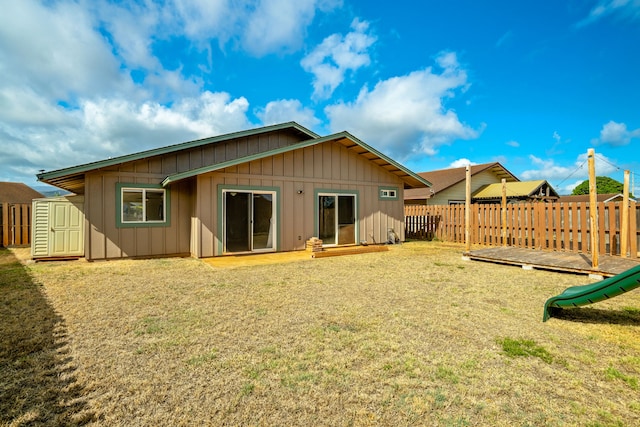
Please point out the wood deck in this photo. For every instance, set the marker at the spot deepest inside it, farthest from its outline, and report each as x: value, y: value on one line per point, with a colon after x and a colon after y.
x: 553, y: 260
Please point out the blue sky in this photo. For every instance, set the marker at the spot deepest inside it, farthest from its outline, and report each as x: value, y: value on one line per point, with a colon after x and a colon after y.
x: 433, y: 84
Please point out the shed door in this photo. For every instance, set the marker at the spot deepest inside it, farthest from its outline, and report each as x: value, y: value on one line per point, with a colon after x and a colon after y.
x: 67, y: 225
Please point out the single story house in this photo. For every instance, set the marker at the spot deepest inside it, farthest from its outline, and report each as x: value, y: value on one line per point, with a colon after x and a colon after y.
x: 260, y: 190
x: 448, y: 186
x: 522, y: 191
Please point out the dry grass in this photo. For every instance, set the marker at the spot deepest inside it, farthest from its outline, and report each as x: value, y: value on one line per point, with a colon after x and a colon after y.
x: 414, y: 336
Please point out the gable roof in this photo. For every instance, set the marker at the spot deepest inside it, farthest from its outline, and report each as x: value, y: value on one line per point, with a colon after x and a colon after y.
x: 17, y: 192
x: 514, y: 190
x: 445, y: 178
x: 72, y: 179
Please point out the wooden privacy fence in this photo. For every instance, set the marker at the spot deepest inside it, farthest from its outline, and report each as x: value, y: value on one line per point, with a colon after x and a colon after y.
x: 15, y: 224
x: 551, y: 226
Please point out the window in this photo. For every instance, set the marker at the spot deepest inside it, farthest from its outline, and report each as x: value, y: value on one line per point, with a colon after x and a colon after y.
x: 142, y: 205
x: 388, y: 193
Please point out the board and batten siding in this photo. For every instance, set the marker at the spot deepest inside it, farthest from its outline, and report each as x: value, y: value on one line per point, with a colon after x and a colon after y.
x: 105, y: 240
x: 457, y: 192
x: 323, y: 167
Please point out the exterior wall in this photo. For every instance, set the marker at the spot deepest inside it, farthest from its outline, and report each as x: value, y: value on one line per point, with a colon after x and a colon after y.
x: 195, y: 212
x: 326, y: 167
x: 457, y: 192
x: 105, y: 240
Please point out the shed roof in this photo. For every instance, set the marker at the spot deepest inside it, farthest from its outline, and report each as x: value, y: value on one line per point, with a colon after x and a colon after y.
x: 72, y: 179
x: 17, y: 192
x: 514, y: 189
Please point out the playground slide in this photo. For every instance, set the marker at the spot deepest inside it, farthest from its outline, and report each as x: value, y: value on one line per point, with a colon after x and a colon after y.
x: 576, y: 296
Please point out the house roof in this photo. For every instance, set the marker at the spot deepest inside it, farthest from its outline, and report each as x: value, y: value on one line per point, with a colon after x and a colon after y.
x: 72, y: 178
x: 514, y: 189
x: 17, y: 192
x: 444, y: 178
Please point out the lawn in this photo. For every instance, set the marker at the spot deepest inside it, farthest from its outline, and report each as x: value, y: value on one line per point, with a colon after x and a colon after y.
x: 413, y: 336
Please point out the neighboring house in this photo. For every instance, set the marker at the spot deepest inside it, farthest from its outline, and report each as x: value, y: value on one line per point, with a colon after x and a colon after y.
x: 261, y: 190
x: 584, y: 198
x: 449, y: 185
x: 17, y: 193
x: 522, y: 191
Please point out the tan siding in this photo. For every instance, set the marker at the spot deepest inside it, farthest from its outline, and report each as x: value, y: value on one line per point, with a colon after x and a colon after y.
x: 298, y: 163
x: 288, y: 164
x: 297, y: 215
x: 94, y: 248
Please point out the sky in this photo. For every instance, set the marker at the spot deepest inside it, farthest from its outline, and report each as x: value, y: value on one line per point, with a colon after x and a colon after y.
x: 432, y: 84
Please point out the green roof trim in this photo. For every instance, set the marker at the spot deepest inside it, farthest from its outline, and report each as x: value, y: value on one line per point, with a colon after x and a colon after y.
x: 74, y: 170
x: 406, y: 175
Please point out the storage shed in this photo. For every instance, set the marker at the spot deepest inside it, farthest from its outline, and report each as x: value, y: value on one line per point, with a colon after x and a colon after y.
x: 58, y: 227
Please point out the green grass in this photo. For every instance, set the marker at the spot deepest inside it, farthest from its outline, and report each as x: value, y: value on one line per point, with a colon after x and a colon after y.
x: 524, y: 348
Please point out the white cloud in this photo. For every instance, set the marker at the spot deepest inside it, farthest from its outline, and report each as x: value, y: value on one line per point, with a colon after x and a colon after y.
x: 286, y: 110
x: 337, y: 55
x: 111, y: 127
x: 259, y: 27
x: 55, y: 51
x: 513, y: 143
x: 626, y: 9
x: 461, y: 163
x: 616, y: 134
x: 406, y: 115
x: 565, y: 178
x: 67, y: 96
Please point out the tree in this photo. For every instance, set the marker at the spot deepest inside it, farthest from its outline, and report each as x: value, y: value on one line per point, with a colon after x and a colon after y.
x: 604, y: 185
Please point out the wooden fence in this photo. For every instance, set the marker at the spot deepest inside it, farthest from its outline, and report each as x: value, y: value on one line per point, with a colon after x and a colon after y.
x: 15, y: 224
x: 551, y: 226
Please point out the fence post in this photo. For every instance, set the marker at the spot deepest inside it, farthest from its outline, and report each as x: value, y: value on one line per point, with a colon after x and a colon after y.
x: 5, y: 224
x: 624, y: 216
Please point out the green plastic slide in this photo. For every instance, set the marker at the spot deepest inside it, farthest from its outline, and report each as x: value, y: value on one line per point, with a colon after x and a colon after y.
x: 576, y: 296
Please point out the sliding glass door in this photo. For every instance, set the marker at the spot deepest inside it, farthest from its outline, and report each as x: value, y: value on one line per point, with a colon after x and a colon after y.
x: 337, y: 219
x: 249, y: 224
